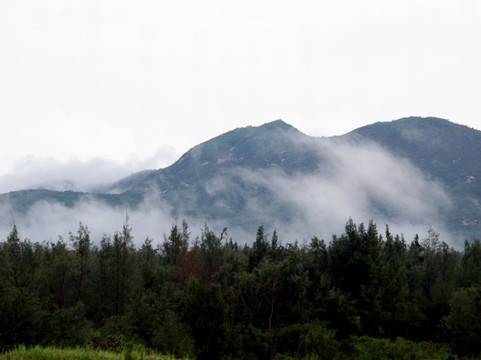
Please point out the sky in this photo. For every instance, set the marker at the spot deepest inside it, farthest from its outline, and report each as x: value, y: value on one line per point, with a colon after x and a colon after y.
x: 95, y: 90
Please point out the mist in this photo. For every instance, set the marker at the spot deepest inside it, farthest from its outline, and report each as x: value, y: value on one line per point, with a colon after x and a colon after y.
x: 361, y: 181
x: 35, y: 172
x: 47, y: 221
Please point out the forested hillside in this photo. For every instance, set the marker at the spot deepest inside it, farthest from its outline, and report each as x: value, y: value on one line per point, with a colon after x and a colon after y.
x: 445, y: 151
x: 210, y: 297
x: 410, y: 173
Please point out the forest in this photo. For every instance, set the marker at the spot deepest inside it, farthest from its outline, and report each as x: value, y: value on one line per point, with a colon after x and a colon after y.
x: 209, y: 297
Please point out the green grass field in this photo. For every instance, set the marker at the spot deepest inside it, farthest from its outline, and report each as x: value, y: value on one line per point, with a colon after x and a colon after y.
x: 51, y: 353
x: 364, y: 348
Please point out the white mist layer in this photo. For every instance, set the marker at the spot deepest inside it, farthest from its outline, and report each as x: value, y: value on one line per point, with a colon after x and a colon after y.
x: 361, y: 182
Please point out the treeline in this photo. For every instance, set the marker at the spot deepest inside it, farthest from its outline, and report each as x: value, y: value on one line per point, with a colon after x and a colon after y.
x: 211, y: 297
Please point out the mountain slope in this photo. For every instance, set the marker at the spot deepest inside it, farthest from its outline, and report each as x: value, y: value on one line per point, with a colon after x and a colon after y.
x: 443, y: 149
x: 448, y: 152
x: 274, y: 175
x: 208, y: 180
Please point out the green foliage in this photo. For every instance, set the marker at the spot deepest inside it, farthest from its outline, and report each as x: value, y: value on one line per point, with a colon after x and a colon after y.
x: 367, y: 348
x: 131, y: 352
x: 215, y: 299
x: 81, y: 256
x: 20, y: 309
x: 176, y: 244
x: 463, y: 323
x: 66, y: 326
x: 470, y: 272
x: 204, y: 314
x: 311, y: 340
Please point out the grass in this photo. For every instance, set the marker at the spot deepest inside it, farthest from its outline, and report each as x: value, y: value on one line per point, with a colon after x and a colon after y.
x: 368, y: 348
x: 52, y: 353
x: 364, y: 348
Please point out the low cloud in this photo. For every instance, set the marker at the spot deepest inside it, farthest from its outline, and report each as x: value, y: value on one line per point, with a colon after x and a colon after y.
x: 46, y: 221
x: 48, y: 173
x: 361, y: 182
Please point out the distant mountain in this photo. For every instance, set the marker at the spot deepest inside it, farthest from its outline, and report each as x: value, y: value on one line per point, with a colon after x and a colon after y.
x: 270, y: 174
x: 447, y: 152
x: 208, y: 179
x: 441, y: 148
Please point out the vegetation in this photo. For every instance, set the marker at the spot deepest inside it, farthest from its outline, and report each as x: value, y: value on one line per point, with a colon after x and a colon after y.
x: 364, y: 348
x: 52, y: 353
x: 363, y: 295
x: 444, y: 151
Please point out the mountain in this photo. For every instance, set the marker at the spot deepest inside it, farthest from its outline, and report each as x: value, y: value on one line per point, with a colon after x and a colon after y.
x: 447, y: 152
x: 412, y: 172
x: 440, y: 148
x: 209, y: 179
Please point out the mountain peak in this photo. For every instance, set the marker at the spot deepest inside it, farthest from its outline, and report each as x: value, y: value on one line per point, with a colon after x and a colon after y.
x: 414, y: 128
x: 421, y: 123
x: 278, y: 124
x: 249, y: 175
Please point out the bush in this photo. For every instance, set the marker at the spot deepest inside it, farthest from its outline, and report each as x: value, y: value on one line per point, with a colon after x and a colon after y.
x: 368, y: 348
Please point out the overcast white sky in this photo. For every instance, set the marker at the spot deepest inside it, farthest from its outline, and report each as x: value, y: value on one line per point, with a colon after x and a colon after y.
x: 136, y: 83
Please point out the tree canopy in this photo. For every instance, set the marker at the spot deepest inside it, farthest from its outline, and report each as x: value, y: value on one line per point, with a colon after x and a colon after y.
x: 211, y: 297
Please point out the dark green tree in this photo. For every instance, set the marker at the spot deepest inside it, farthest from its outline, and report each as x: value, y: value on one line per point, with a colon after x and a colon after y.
x: 470, y: 267
x: 176, y: 245
x: 463, y: 323
x: 81, y: 256
x: 204, y: 313
x: 20, y: 310
x: 123, y: 258
x: 260, y: 248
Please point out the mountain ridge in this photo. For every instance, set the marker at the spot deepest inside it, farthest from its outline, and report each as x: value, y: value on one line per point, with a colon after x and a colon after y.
x: 221, y: 178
